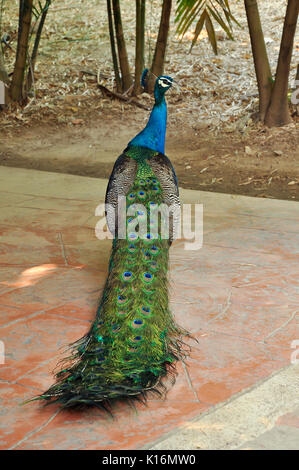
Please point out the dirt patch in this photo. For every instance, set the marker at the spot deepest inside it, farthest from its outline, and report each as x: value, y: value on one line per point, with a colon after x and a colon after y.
x: 68, y: 126
x: 259, y: 162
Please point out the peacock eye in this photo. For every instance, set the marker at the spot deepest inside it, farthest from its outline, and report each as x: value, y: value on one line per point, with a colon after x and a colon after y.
x: 132, y: 236
x: 164, y: 82
x: 137, y: 323
x: 127, y: 276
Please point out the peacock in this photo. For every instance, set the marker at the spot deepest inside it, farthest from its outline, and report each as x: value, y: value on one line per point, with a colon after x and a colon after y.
x: 134, y: 342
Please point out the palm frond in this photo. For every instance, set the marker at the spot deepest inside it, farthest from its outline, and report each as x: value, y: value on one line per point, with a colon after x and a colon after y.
x: 205, y: 13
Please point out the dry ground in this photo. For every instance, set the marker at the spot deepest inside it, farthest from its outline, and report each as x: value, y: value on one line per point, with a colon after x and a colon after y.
x: 213, y: 140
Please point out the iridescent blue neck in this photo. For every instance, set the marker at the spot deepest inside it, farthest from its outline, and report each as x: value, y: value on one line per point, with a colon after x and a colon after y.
x: 153, y: 135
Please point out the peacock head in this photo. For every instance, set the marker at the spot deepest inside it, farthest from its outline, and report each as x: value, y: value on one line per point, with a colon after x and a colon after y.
x: 163, y: 83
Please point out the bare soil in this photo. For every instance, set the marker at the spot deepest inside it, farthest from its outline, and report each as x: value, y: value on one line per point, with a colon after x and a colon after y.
x: 259, y: 162
x: 69, y: 126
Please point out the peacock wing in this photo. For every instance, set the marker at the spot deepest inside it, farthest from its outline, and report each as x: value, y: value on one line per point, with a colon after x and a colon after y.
x: 164, y: 172
x: 120, y: 181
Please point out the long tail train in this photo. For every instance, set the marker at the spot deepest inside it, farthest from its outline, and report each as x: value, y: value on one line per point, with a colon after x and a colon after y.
x: 134, y: 341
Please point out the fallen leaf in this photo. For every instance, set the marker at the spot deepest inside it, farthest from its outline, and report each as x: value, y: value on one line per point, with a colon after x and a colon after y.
x: 246, y: 182
x: 248, y: 150
x: 76, y: 122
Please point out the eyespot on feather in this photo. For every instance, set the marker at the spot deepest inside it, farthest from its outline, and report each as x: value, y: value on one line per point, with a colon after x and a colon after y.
x: 132, y: 236
x: 137, y: 323
x: 127, y: 276
x: 146, y: 311
x: 147, y: 278
x: 132, y: 248
x: 122, y: 299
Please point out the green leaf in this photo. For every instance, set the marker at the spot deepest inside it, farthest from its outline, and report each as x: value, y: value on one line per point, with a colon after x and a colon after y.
x: 220, y: 21
x: 198, y: 28
x: 188, y: 17
x: 208, y: 11
x: 230, y: 17
x: 181, y: 8
x: 35, y: 11
x: 211, y: 33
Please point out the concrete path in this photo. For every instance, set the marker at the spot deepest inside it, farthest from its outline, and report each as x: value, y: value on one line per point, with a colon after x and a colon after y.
x: 238, y: 295
x: 265, y: 417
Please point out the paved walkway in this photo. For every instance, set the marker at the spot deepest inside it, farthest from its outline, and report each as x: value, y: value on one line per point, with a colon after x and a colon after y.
x: 238, y: 295
x: 264, y: 417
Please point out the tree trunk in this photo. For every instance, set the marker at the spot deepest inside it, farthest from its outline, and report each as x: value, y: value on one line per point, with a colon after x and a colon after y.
x: 113, y: 49
x: 296, y: 87
x: 4, y: 86
x: 142, y: 36
x: 260, y: 56
x: 139, y: 50
x: 3, y: 73
x: 278, y: 113
x: 160, y: 51
x: 30, y: 76
x: 121, y: 45
x: 16, y: 90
